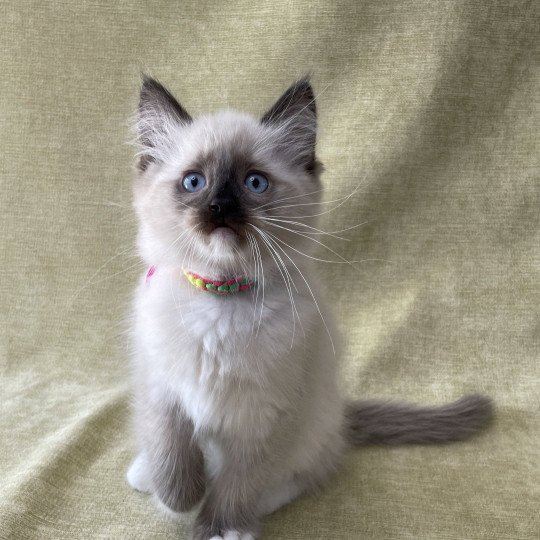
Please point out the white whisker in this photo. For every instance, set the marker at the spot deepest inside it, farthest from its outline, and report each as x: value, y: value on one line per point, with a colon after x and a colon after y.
x: 309, y: 288
x: 287, y: 198
x: 263, y: 285
x: 317, y: 231
x: 343, y: 260
x: 287, y: 281
x: 312, y: 231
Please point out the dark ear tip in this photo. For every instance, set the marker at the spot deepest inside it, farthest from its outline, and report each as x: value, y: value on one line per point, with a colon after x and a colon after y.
x: 303, y: 86
x: 149, y: 83
x: 151, y: 87
x: 305, y: 82
x: 304, y: 89
x: 297, y: 97
x: 154, y: 95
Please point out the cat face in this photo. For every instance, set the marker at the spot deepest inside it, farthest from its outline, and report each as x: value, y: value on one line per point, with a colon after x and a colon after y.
x: 213, y: 193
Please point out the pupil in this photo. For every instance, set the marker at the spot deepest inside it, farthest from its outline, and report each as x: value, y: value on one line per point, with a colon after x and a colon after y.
x: 194, y: 181
x: 255, y: 182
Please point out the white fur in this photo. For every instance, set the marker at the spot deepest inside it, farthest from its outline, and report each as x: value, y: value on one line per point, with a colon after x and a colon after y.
x: 273, y: 499
x: 137, y: 475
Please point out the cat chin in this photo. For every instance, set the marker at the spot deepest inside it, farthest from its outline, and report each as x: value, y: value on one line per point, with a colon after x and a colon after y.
x: 222, y: 251
x: 223, y: 234
x: 222, y: 243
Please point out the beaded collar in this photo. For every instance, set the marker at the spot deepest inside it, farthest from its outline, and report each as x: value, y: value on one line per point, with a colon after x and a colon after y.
x: 220, y: 287
x: 229, y: 286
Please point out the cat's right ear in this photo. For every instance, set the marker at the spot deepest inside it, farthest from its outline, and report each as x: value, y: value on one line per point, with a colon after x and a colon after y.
x: 158, y: 114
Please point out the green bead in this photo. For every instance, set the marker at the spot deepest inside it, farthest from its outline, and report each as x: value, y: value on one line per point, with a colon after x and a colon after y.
x: 234, y: 287
x: 223, y: 288
x: 211, y: 286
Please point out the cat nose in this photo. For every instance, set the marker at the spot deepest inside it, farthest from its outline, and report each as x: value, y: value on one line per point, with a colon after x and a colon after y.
x: 222, y: 207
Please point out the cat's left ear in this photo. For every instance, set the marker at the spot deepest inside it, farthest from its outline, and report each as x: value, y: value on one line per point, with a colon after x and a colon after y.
x: 294, y: 115
x: 158, y: 114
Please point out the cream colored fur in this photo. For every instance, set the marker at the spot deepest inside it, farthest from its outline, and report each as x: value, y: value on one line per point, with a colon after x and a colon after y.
x: 258, y: 367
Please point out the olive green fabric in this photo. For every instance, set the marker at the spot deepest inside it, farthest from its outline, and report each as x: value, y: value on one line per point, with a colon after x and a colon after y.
x: 428, y: 118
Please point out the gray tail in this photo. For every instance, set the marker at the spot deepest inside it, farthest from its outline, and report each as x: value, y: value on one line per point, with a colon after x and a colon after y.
x: 379, y: 422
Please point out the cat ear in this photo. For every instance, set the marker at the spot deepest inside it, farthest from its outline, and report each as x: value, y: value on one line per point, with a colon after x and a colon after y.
x: 158, y: 114
x: 294, y: 115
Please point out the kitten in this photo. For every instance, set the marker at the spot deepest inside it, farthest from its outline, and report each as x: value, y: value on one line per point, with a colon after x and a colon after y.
x: 236, y: 400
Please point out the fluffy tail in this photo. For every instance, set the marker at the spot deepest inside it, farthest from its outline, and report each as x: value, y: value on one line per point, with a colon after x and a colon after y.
x: 378, y: 422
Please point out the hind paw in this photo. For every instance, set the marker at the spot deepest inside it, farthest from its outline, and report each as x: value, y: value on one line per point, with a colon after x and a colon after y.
x: 138, y: 476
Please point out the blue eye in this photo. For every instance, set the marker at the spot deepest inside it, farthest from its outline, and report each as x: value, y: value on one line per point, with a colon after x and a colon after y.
x: 256, y: 183
x: 193, y: 182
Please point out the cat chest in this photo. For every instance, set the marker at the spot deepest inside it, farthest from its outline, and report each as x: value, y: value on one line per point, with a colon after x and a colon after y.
x: 229, y: 365
x: 225, y: 386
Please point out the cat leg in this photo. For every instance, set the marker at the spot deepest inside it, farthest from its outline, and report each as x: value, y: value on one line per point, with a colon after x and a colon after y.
x: 326, y: 463
x: 138, y: 475
x: 230, y: 510
x: 278, y: 496
x: 175, y: 461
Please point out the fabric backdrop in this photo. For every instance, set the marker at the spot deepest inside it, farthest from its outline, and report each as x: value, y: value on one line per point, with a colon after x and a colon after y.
x: 429, y: 117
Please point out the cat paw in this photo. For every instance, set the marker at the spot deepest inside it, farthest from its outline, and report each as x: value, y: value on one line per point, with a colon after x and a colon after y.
x: 210, y: 524
x: 202, y: 534
x: 137, y: 476
x: 233, y: 535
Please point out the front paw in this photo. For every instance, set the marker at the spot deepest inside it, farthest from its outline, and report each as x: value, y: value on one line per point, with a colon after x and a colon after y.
x: 227, y: 535
x: 205, y: 530
x: 234, y: 535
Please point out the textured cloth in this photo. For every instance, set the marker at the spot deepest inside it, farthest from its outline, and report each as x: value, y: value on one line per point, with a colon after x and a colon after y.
x: 429, y: 119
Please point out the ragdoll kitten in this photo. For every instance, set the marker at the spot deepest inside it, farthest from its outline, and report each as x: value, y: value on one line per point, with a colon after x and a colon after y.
x: 236, y: 400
